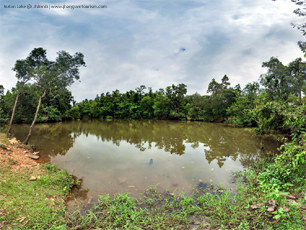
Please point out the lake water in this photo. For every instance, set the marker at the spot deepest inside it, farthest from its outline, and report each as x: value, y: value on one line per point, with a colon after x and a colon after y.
x: 128, y: 156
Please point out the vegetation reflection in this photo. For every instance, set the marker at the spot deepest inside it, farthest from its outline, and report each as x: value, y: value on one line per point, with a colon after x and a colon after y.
x: 219, y: 142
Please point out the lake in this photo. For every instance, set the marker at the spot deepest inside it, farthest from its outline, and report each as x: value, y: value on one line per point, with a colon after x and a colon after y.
x: 128, y: 156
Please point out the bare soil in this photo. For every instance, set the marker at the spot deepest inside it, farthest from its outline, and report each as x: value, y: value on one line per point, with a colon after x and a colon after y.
x: 15, y: 155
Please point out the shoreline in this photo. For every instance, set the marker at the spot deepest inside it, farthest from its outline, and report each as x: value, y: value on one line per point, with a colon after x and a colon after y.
x: 217, y: 209
x: 32, y: 195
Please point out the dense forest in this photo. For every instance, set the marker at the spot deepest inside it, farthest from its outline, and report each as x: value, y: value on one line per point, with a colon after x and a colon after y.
x: 275, y: 102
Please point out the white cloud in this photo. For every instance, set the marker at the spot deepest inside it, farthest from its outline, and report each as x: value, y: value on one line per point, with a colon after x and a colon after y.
x: 155, y: 43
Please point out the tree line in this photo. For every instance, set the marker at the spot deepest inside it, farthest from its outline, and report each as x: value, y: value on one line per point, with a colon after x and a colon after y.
x: 275, y: 101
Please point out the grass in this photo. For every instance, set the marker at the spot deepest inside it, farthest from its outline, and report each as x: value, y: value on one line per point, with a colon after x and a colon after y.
x: 214, y: 209
x: 154, y: 211
x: 39, y: 204
x: 35, y: 204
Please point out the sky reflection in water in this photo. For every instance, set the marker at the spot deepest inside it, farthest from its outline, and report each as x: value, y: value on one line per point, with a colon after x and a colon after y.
x: 127, y: 156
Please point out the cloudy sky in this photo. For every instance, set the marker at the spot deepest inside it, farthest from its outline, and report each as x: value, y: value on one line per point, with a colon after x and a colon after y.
x: 154, y: 43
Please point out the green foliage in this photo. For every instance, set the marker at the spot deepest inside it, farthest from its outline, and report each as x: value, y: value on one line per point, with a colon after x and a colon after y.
x: 73, y: 113
x: 52, y: 113
x: 277, y: 80
x: 35, y: 204
x: 288, y: 170
x: 3, y: 115
x: 137, y: 104
x: 280, y: 116
x: 55, y: 106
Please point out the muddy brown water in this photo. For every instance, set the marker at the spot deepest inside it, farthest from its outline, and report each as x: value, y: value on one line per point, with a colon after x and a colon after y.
x: 128, y: 156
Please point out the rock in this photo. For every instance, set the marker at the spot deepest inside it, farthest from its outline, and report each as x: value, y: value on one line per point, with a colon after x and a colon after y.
x: 286, y: 210
x: 122, y: 179
x: 13, y: 141
x: 271, y: 205
x: 35, y: 153
x: 270, y: 209
x: 35, y: 157
x: 38, y: 177
x: 32, y: 178
x: 25, y: 151
x: 171, y: 194
x: 256, y: 206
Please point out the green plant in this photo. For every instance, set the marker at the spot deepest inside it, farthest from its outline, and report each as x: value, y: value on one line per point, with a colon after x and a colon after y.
x: 12, y: 162
x: 22, y: 208
x: 279, y: 213
x: 276, y: 195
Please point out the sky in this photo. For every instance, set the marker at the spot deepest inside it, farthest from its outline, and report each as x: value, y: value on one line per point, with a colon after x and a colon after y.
x: 155, y: 43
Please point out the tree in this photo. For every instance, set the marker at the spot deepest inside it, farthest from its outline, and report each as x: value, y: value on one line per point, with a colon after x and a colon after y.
x: 276, y: 80
x: 1, y: 90
x: 56, y: 74
x: 297, y: 70
x: 251, y: 90
x: 25, y: 109
x: 24, y: 72
x: 176, y: 95
x: 161, y: 106
x: 300, y: 12
x: 3, y: 117
x: 146, y: 105
x: 222, y: 97
x: 197, y: 107
x: 140, y: 89
x: 225, y: 82
x: 214, y: 87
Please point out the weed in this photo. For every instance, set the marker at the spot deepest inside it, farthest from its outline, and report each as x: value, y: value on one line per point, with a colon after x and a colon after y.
x: 35, y: 204
x: 12, y: 162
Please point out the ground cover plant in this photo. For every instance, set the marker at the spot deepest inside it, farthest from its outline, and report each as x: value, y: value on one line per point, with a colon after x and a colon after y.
x: 270, y: 195
x: 35, y: 204
x: 214, y: 210
x: 265, y: 199
x: 31, y: 195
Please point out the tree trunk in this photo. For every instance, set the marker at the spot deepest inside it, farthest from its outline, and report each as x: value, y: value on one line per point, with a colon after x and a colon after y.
x: 12, y: 116
x: 13, y: 113
x: 31, y: 128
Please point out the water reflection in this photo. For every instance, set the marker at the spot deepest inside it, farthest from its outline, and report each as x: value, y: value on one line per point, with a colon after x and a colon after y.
x: 118, y: 156
x: 220, y: 142
x: 52, y: 139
